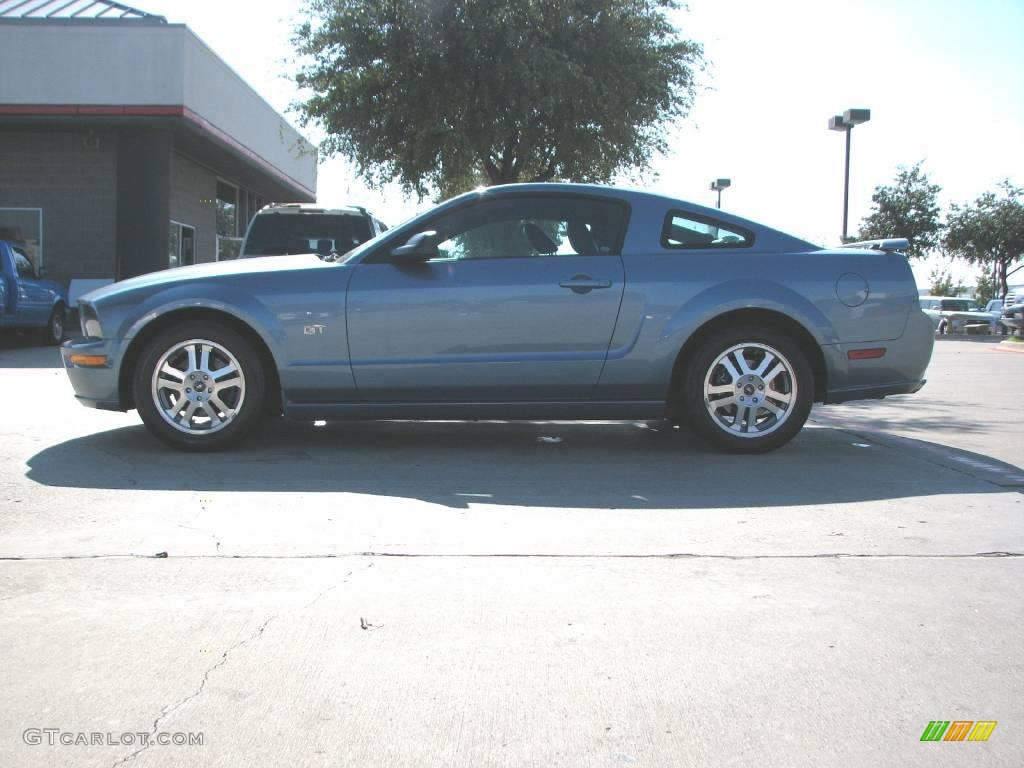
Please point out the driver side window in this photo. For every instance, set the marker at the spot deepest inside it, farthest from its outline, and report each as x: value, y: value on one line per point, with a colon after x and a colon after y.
x: 531, y: 227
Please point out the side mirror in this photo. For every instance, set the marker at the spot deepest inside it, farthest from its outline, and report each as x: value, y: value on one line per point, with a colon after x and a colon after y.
x: 420, y: 247
x: 324, y: 247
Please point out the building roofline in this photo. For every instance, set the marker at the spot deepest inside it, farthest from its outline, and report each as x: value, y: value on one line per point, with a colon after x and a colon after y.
x: 75, y: 11
x: 177, y: 70
x: 84, y: 114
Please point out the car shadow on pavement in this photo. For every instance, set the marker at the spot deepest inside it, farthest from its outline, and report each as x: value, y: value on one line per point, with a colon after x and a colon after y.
x: 605, y: 465
x: 891, y: 414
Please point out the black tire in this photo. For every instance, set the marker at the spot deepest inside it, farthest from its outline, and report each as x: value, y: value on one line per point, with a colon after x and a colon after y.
x: 251, y: 395
x: 703, y: 365
x: 53, y: 333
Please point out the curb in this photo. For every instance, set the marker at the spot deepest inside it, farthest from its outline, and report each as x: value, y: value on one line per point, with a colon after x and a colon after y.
x: 1009, y: 346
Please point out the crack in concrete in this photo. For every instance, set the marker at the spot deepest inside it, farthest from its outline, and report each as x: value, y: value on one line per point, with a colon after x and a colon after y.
x: 170, y: 709
x: 195, y: 517
x: 213, y: 536
x: 541, y: 555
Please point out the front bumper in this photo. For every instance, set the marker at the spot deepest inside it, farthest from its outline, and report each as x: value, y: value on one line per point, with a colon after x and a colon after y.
x: 96, y: 386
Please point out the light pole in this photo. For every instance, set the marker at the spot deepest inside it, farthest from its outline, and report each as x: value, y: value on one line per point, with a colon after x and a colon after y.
x: 845, y: 122
x: 718, y: 185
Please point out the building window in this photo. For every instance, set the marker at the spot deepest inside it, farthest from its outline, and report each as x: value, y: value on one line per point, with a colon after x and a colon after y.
x: 23, y: 227
x: 229, y: 244
x: 181, y: 250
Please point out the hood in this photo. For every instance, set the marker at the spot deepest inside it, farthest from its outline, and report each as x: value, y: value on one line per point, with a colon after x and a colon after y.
x: 968, y: 312
x: 215, y: 271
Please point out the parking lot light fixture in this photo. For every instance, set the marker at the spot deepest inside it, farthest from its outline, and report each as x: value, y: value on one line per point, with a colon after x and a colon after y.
x: 717, y: 185
x: 845, y: 123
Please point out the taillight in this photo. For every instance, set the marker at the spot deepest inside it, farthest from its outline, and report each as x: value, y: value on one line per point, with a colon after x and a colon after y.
x: 866, y: 354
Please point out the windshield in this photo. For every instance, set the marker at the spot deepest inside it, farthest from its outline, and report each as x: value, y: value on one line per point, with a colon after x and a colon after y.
x: 398, y: 234
x: 958, y: 305
x: 276, y: 234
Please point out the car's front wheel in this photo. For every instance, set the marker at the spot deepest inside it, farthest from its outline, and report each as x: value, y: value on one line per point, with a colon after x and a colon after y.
x: 199, y: 386
x: 748, y: 390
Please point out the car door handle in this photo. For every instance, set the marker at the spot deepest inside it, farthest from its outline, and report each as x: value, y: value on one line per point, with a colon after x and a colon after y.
x: 584, y: 284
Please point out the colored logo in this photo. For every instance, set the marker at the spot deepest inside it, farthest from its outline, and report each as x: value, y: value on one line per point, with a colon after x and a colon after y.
x: 958, y: 730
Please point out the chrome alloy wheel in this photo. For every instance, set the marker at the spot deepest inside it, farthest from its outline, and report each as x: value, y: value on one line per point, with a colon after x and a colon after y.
x: 750, y: 390
x: 198, y: 386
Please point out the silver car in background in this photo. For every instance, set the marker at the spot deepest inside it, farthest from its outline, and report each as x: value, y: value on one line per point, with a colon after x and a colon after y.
x: 956, y: 315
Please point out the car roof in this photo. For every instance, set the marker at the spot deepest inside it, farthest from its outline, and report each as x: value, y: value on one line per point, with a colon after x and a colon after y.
x: 619, y: 193
x: 638, y: 199
x: 346, y: 210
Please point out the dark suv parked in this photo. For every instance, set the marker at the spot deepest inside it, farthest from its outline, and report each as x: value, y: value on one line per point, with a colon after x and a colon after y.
x: 1013, y: 312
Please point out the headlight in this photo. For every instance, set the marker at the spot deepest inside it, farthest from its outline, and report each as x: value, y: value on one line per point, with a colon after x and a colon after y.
x: 89, y: 320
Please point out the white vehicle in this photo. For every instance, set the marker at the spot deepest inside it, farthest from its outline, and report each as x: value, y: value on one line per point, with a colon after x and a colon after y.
x: 952, y: 315
x: 285, y: 228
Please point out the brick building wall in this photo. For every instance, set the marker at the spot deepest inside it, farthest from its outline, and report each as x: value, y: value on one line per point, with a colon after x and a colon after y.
x: 72, y: 177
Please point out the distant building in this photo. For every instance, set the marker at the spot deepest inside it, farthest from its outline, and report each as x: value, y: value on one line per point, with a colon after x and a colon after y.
x: 128, y: 146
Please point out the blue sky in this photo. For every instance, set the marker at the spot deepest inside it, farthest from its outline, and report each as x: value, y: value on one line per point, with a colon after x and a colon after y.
x: 944, y: 81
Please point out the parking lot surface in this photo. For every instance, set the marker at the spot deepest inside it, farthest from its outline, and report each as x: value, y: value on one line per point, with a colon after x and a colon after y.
x: 517, y: 594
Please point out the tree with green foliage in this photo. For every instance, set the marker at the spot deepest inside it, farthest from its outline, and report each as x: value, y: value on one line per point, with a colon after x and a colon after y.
x: 990, y: 232
x: 909, y: 207
x: 986, y: 288
x: 445, y: 95
x: 941, y: 283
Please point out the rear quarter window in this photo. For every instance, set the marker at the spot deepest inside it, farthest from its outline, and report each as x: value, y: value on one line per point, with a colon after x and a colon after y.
x: 689, y: 231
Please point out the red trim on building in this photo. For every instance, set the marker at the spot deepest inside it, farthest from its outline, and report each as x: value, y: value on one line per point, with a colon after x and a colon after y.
x: 73, y: 109
x: 196, y: 119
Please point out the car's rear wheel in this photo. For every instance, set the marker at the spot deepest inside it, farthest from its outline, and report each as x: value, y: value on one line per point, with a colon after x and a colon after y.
x: 53, y: 333
x: 199, y: 386
x: 748, y: 390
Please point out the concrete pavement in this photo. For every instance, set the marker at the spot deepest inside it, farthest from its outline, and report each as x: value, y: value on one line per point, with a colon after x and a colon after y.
x: 516, y: 594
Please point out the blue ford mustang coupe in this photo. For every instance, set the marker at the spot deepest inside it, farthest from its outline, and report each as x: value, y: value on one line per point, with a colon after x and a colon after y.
x: 527, y: 301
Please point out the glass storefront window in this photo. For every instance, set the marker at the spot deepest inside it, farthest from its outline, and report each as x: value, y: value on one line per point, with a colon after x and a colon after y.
x: 181, y: 246
x: 227, y: 210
